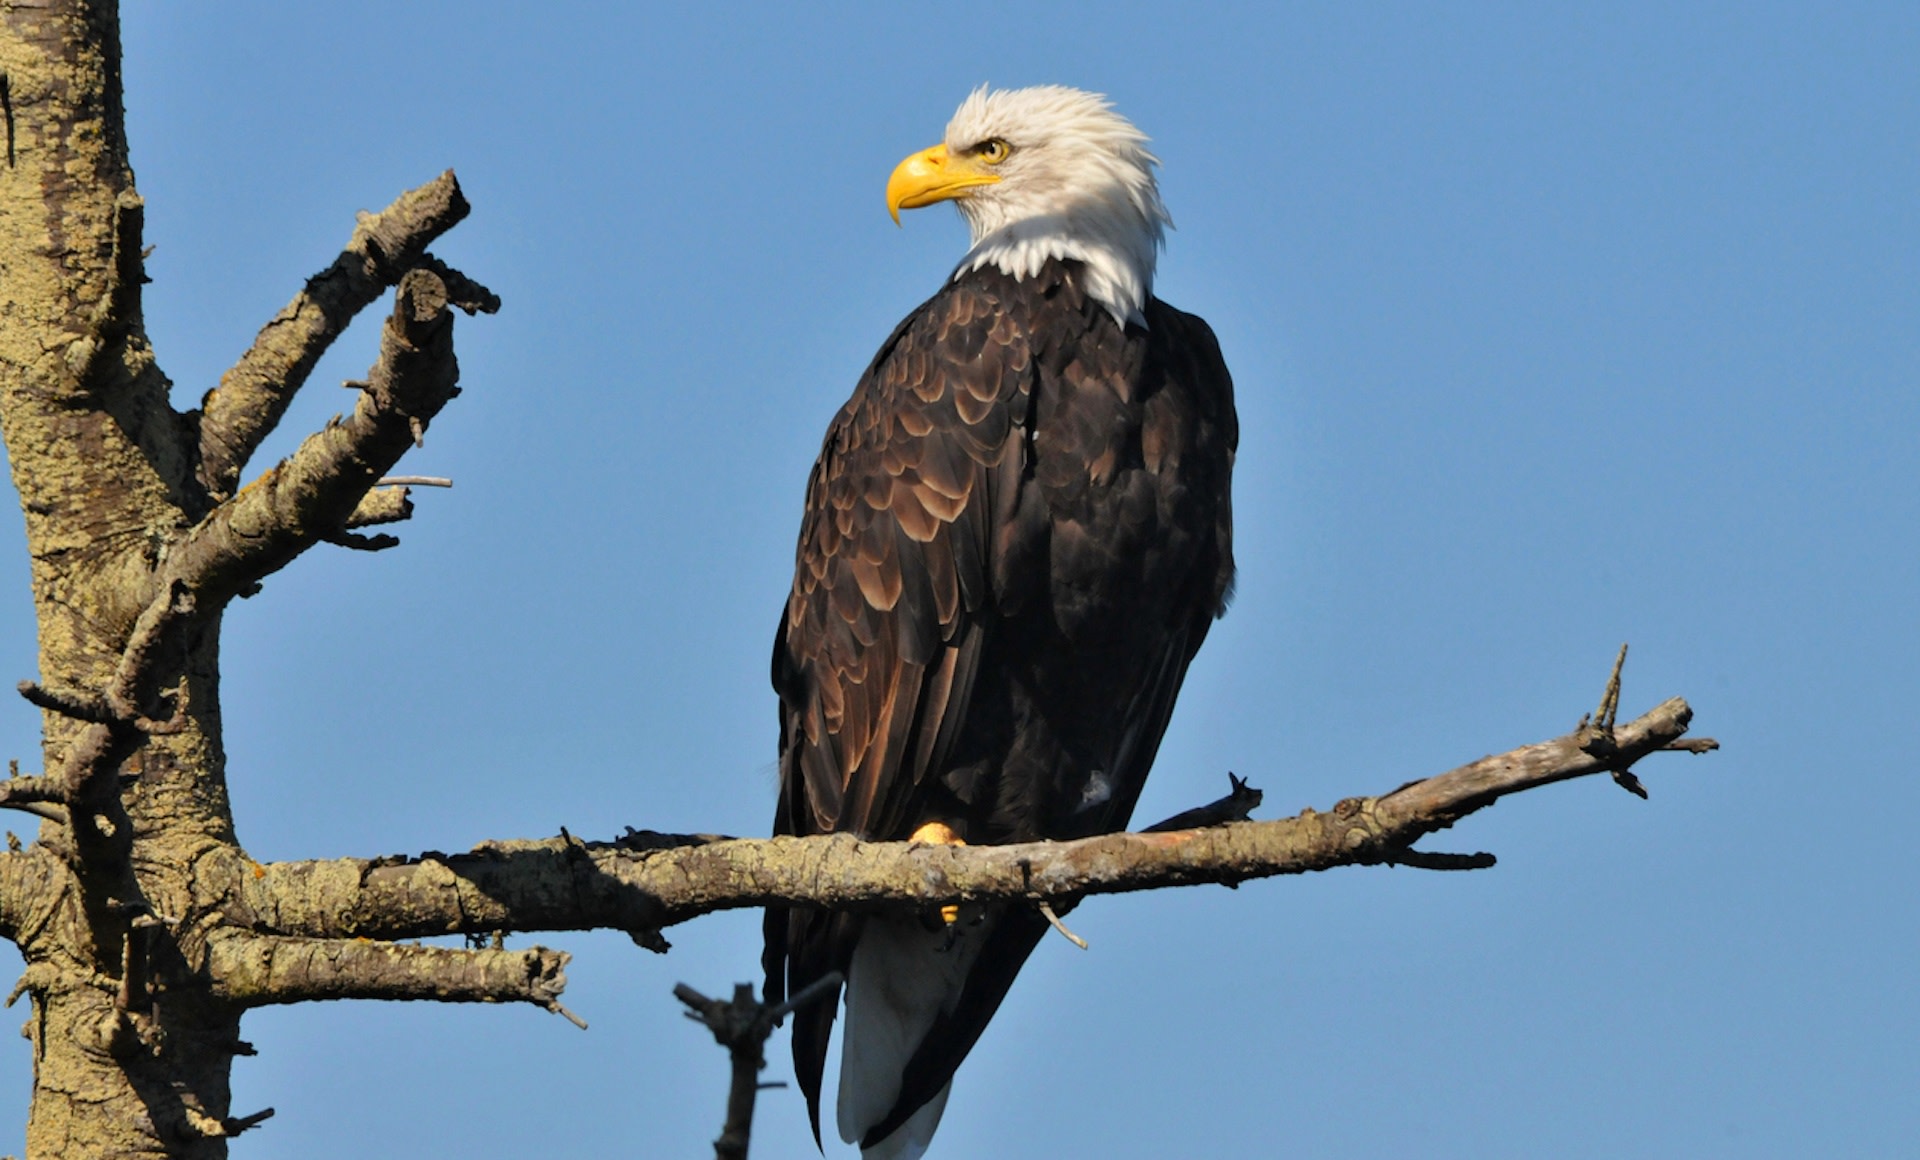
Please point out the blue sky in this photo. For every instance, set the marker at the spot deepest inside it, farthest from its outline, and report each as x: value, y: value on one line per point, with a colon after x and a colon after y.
x: 1552, y: 328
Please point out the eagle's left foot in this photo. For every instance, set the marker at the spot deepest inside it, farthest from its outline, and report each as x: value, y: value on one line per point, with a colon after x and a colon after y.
x: 940, y: 834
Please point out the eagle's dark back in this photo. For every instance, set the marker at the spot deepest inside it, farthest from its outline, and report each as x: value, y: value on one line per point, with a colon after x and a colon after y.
x: 1016, y: 537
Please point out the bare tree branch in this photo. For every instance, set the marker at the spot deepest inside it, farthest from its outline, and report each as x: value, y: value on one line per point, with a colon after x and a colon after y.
x: 21, y: 791
x: 311, y: 495
x: 255, y: 393
x: 258, y: 970
x: 741, y: 1025
x: 645, y: 882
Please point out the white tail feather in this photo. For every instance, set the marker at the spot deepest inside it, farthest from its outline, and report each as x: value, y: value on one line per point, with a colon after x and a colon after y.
x: 903, y: 976
x: 909, y: 1141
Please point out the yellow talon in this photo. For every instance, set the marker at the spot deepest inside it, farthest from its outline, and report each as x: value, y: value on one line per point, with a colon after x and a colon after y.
x: 940, y: 834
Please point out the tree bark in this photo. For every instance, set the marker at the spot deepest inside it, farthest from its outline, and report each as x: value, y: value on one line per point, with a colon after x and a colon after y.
x: 137, y: 543
x: 146, y: 929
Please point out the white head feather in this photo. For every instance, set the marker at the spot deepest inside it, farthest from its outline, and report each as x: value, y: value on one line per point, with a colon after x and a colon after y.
x: 1078, y: 184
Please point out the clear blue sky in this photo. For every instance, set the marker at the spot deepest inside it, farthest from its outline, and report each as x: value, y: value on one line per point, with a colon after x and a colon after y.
x: 1551, y: 330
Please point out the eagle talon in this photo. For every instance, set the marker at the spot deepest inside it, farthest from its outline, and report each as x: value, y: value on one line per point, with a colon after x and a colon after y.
x: 935, y: 834
x: 943, y: 918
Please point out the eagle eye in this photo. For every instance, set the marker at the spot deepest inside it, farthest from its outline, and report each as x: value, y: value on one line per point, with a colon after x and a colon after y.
x: 992, y: 151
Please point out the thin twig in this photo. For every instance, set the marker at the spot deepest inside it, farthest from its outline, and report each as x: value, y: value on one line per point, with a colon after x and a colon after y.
x: 1239, y: 804
x: 236, y: 1125
x: 555, y: 1006
x: 817, y: 989
x: 1692, y: 745
x: 1431, y: 860
x: 1053, y: 920
x: 1599, y: 735
x: 1605, y: 716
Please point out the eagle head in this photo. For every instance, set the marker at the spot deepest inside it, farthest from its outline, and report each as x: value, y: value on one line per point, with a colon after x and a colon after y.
x: 1046, y: 172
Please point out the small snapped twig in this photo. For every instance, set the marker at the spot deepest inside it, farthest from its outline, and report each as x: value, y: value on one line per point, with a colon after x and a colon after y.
x: 1692, y: 745
x: 196, y: 1122
x: 234, y: 1125
x: 382, y: 505
x: 1053, y: 920
x: 555, y: 1006
x: 135, y: 959
x: 1239, y: 804
x: 360, y: 543
x: 1429, y: 860
x: 1605, y: 716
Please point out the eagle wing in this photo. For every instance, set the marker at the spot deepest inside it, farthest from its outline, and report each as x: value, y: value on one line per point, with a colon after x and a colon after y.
x: 1009, y: 556
x: 1182, y: 358
x: 912, y: 518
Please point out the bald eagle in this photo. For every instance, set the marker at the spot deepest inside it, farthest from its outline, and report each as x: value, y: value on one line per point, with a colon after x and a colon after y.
x: 1016, y: 537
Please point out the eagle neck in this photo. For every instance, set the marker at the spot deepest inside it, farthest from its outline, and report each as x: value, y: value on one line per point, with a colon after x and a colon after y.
x: 1119, y: 263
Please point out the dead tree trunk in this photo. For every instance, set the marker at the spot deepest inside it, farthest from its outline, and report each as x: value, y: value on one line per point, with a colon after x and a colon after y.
x: 146, y: 929
x: 139, y: 537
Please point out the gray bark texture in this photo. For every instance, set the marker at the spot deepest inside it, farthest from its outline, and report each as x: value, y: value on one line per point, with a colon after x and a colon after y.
x: 147, y: 930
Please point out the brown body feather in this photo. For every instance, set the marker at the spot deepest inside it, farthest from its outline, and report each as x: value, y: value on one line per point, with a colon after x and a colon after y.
x: 1016, y: 537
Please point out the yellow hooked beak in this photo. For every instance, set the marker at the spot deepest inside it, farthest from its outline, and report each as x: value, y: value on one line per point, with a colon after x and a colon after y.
x: 932, y: 175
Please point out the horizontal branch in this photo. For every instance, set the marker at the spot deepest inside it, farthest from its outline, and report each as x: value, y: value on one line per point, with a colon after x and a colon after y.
x: 255, y: 393
x: 312, y: 494
x: 32, y: 790
x: 645, y: 882
x: 259, y: 970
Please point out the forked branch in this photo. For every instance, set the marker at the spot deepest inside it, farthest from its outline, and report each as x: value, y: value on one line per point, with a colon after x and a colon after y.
x: 254, y: 394
x: 741, y: 1025
x: 313, y: 494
